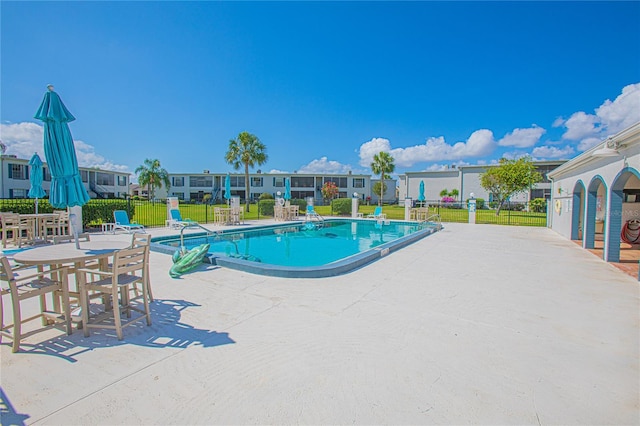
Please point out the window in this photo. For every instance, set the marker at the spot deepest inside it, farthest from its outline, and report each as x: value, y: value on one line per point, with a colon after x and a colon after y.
x: 341, y: 182
x: 17, y: 193
x: 18, y: 171
x: 46, y: 176
x: 122, y: 180
x: 201, y: 181
x: 278, y: 182
x: 177, y: 181
x: 84, y: 174
x: 256, y: 181
x: 104, y: 179
x: 302, y: 194
x: 358, y: 182
x: 302, y: 182
x: 237, y: 181
x: 178, y: 195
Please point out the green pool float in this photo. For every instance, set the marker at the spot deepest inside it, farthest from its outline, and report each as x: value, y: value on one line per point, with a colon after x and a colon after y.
x: 184, y: 261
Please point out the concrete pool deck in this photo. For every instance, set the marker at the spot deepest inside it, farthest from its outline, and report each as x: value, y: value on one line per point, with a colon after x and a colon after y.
x: 476, y: 324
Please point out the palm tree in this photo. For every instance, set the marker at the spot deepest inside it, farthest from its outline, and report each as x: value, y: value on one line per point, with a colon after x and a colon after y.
x: 153, y: 176
x: 382, y: 165
x: 454, y: 193
x: 248, y: 150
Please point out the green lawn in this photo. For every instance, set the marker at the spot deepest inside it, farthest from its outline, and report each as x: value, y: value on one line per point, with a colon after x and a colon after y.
x: 154, y: 214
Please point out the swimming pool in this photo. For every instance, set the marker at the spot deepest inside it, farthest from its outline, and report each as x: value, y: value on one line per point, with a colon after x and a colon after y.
x: 303, y: 250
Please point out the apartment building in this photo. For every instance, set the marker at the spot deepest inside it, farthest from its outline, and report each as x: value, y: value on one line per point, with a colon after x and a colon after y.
x: 15, y: 183
x: 194, y: 186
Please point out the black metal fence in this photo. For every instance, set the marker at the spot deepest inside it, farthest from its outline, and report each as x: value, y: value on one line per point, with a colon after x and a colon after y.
x: 154, y: 214
x: 532, y: 213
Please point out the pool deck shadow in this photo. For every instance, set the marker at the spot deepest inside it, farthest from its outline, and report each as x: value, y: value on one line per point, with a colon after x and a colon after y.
x: 479, y: 324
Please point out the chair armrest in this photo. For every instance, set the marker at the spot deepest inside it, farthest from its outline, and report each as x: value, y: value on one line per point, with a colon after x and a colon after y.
x: 63, y: 269
x: 95, y: 272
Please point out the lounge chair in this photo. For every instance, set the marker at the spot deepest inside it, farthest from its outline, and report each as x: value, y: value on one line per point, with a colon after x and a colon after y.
x: 121, y: 219
x: 311, y: 213
x: 176, y: 220
x: 377, y: 214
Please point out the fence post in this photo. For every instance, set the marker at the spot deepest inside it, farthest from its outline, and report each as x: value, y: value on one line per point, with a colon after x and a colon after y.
x: 472, y: 210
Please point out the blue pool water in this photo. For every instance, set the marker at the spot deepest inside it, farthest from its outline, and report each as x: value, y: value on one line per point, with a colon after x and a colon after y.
x: 299, y: 250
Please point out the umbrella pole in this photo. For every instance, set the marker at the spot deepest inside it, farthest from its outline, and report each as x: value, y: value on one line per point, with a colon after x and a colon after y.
x: 37, y: 222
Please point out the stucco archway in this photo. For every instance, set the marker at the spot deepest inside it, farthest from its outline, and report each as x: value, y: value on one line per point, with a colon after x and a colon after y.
x: 594, y: 207
x: 577, y: 212
x: 615, y: 214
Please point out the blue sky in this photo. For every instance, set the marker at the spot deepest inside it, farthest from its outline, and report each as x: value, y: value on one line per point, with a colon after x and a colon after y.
x: 324, y: 85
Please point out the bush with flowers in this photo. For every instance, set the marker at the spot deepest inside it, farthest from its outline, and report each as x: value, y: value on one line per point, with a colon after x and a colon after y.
x: 329, y: 190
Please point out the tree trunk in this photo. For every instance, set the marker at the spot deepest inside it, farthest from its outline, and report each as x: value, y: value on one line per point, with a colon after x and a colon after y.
x: 246, y: 186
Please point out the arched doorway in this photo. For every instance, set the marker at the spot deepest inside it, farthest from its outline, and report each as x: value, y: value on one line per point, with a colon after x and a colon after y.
x: 577, y: 213
x: 595, y: 212
x: 627, y: 183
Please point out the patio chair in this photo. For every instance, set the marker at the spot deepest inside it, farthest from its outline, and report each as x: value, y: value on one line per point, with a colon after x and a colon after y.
x: 11, y: 222
x: 59, y: 239
x: 377, y: 214
x: 115, y: 283
x: 143, y: 240
x: 121, y: 219
x: 26, y: 287
x: 176, y: 220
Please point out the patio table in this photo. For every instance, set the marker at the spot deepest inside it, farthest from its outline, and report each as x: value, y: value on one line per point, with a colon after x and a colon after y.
x: 65, y: 254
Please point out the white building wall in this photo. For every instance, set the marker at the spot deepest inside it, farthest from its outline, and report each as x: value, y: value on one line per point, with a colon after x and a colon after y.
x: 9, y: 185
x: 434, y: 183
x: 606, y: 168
x: 272, y: 183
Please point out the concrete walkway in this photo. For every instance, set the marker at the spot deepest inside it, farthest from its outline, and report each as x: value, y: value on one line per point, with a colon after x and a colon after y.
x: 476, y: 324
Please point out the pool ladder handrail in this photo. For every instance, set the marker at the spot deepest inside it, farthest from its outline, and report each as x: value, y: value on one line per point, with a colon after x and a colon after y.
x: 194, y: 225
x: 315, y: 217
x: 433, y: 218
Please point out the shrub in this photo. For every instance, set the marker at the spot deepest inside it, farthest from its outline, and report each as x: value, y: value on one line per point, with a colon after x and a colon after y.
x: 538, y: 205
x: 265, y: 207
x: 341, y: 206
x: 448, y: 200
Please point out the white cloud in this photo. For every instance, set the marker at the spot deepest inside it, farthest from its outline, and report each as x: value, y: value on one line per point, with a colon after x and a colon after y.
x: 24, y: 139
x: 323, y: 165
x: 522, y: 138
x: 553, y: 152
x: 622, y: 112
x: 610, y: 118
x: 580, y: 125
x: 480, y: 143
x: 587, y: 143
